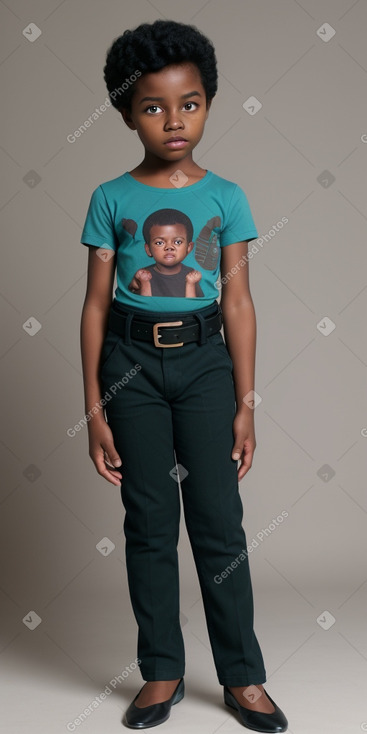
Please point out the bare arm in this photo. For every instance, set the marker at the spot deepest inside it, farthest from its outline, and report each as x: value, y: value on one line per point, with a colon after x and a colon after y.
x: 93, y: 329
x: 239, y: 324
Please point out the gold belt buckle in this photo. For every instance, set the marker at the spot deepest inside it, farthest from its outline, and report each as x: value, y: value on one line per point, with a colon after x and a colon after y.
x: 157, y: 336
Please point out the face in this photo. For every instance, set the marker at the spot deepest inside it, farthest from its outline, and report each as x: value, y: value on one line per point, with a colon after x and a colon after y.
x: 167, y: 104
x: 168, y: 245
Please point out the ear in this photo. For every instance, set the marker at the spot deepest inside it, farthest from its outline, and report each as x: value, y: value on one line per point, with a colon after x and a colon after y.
x: 126, y: 116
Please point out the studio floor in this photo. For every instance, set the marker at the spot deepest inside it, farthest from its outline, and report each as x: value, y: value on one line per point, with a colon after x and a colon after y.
x: 315, y: 672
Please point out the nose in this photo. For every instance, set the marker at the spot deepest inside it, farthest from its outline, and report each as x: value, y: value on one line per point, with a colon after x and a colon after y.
x: 173, y: 121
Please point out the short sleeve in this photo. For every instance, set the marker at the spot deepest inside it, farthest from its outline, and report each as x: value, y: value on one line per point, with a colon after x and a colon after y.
x: 239, y: 224
x: 98, y: 228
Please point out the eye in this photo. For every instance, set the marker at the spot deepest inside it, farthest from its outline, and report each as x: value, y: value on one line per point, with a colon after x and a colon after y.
x: 152, y: 107
x: 191, y: 103
x: 178, y: 242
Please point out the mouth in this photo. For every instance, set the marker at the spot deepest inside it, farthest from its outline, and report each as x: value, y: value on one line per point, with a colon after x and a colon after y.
x: 176, y: 142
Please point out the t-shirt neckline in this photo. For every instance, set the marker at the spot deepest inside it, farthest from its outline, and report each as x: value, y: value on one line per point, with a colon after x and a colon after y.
x: 172, y: 189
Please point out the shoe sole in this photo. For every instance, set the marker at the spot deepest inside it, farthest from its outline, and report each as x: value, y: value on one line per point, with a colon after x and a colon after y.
x: 145, y: 726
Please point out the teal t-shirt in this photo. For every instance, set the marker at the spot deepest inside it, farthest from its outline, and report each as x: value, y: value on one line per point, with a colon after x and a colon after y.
x: 167, y: 241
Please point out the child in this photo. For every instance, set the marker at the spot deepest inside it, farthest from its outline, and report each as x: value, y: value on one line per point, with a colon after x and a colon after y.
x: 185, y: 412
x: 168, y: 238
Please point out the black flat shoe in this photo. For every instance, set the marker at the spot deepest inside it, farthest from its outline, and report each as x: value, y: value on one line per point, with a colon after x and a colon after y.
x: 258, y: 720
x: 157, y: 713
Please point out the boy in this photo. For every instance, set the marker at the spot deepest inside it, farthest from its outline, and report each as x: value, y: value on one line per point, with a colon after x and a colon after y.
x: 191, y: 400
x: 168, y: 239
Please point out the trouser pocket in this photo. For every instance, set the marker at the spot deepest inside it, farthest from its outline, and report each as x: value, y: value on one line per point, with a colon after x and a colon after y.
x: 218, y: 345
x: 109, y: 347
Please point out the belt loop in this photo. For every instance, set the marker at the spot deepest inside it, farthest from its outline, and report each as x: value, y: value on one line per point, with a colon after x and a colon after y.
x: 129, y: 319
x: 203, y: 338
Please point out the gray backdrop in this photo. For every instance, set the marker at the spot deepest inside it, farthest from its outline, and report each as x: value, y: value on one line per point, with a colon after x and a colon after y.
x: 299, y: 151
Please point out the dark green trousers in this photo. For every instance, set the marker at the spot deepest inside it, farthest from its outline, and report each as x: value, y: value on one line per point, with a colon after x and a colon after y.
x: 171, y: 413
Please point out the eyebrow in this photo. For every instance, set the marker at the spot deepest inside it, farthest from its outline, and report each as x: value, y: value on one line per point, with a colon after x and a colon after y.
x: 160, y: 99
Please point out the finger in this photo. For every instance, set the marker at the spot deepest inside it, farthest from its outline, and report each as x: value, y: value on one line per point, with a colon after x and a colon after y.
x: 242, y: 471
x: 112, y: 475
x: 237, y: 452
x: 238, y: 455
x: 112, y: 478
x: 246, y: 463
x: 112, y: 459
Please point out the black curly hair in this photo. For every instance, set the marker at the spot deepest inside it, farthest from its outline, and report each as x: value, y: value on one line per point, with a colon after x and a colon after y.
x: 152, y: 46
x: 167, y: 216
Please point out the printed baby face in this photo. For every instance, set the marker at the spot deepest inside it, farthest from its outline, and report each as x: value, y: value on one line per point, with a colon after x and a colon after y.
x: 168, y: 245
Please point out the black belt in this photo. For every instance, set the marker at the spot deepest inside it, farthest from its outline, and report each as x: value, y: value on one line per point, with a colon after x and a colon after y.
x: 170, y: 333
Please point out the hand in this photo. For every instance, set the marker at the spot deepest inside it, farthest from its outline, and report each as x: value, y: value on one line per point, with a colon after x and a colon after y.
x: 143, y: 274
x: 139, y: 277
x: 193, y: 276
x: 244, y: 441
x: 102, y: 450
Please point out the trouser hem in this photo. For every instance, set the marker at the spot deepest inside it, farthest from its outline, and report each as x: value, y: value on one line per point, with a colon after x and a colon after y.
x: 162, y: 674
x: 242, y: 680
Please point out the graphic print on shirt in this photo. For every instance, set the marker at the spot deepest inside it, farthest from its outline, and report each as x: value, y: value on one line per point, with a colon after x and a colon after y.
x: 207, y: 250
x: 210, y: 214
x: 168, y: 239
